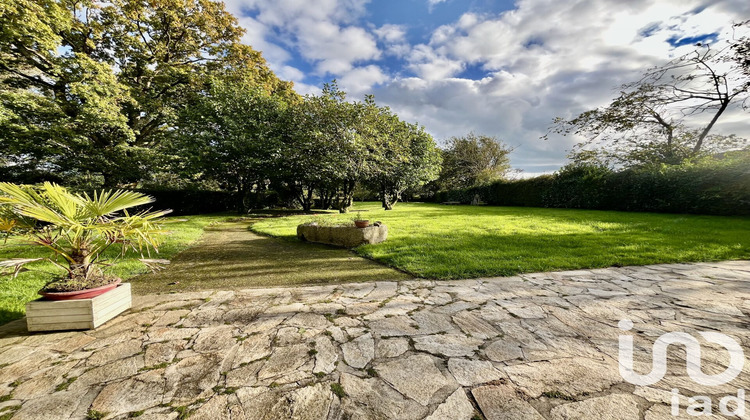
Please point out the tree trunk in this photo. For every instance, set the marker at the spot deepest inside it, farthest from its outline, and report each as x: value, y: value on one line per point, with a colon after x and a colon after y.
x: 710, y: 125
x: 348, y: 198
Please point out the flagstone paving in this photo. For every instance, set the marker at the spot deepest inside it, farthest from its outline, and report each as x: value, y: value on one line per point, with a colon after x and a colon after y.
x: 536, y: 346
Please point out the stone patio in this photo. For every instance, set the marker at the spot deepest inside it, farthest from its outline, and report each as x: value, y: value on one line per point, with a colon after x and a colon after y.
x: 536, y: 346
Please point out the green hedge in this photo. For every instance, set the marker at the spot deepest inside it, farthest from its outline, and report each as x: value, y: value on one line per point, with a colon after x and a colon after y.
x: 710, y: 186
x: 192, y: 201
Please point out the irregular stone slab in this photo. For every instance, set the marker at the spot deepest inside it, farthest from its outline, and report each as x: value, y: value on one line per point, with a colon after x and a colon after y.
x: 573, y: 376
x: 521, y: 311
x: 393, y: 327
x: 391, y: 347
x: 473, y: 372
x: 311, y: 402
x: 163, y: 352
x: 664, y: 412
x: 136, y: 394
x: 431, y: 322
x: 308, y: 320
x: 214, y: 409
x: 111, y: 372
x: 215, y: 339
x: 359, y: 352
x: 416, y: 377
x: 59, y: 405
x: 610, y: 407
x: 253, y: 347
x: 258, y: 403
x: 500, y: 402
x: 383, y: 290
x: 475, y: 326
x: 326, y: 356
x: 456, y: 407
x: 167, y: 334
x: 42, y: 384
x: 451, y: 345
x: 194, y: 377
x: 503, y: 350
x: 438, y: 298
x: 284, y: 360
x: 375, y: 399
x: 263, y: 324
x: 245, y: 375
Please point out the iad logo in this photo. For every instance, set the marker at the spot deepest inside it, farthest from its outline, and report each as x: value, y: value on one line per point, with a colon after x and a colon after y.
x: 700, y: 405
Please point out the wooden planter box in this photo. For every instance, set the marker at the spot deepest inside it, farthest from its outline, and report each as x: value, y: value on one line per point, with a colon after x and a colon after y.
x: 78, y: 314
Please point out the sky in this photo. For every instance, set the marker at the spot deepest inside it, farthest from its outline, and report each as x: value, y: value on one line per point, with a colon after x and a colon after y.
x: 498, y: 68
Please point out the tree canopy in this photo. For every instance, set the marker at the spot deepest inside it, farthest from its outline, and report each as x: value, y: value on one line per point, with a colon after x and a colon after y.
x: 92, y: 89
x: 669, y: 115
x: 473, y: 160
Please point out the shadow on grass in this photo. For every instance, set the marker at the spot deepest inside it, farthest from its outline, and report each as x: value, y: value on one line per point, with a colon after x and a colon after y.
x: 9, y: 315
x: 231, y: 257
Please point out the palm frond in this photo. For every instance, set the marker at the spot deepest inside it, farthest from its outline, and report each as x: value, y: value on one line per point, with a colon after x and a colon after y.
x: 108, y: 202
x: 16, y: 264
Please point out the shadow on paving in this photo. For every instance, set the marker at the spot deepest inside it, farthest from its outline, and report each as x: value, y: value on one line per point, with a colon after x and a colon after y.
x: 230, y: 256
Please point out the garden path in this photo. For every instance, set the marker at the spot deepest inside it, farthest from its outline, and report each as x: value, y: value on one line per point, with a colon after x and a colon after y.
x: 230, y: 256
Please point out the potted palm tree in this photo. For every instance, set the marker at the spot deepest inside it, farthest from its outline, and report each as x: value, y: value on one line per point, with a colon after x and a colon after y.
x: 77, y: 229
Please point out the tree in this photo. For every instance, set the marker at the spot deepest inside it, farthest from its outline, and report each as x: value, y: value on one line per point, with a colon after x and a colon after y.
x: 740, y: 48
x: 473, y: 160
x: 316, y: 140
x: 404, y: 156
x: 228, y: 136
x: 651, y: 118
x: 110, y: 79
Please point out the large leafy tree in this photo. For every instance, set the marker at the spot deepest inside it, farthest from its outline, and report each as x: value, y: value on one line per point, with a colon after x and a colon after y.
x: 405, y: 156
x: 95, y: 88
x: 473, y: 160
x: 229, y: 137
x: 317, y: 140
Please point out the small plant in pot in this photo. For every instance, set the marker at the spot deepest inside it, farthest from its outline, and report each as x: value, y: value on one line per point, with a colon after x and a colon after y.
x: 77, y: 229
x: 360, y: 222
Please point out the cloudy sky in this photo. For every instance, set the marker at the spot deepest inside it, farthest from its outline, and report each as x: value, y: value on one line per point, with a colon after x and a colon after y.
x: 499, y: 68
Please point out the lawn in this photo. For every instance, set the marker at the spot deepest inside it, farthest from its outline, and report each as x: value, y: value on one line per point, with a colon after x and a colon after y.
x: 451, y: 242
x: 14, y: 293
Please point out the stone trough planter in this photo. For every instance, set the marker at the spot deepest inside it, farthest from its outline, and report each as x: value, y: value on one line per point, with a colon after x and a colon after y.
x: 77, y: 314
x: 347, y: 236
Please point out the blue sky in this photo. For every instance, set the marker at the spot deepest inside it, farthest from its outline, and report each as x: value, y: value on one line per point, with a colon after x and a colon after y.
x: 500, y: 68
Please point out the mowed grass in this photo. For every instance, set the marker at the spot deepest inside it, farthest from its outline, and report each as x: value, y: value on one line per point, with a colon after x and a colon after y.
x: 16, y: 292
x: 229, y: 257
x: 451, y: 242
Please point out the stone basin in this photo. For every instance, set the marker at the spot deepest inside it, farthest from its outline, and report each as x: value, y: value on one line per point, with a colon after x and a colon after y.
x: 346, y: 236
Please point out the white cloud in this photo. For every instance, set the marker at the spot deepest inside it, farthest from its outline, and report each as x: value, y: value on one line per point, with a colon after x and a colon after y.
x: 360, y: 80
x: 544, y: 60
x: 322, y: 31
x: 540, y: 60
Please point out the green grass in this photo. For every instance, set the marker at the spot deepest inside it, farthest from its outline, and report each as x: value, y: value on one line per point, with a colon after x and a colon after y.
x: 14, y: 293
x: 451, y: 242
x: 230, y: 256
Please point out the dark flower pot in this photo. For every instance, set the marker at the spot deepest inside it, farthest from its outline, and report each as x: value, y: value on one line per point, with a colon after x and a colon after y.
x: 80, y: 294
x: 361, y: 223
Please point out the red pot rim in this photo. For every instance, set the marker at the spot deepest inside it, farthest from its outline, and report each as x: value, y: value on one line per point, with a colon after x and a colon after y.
x: 80, y: 294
